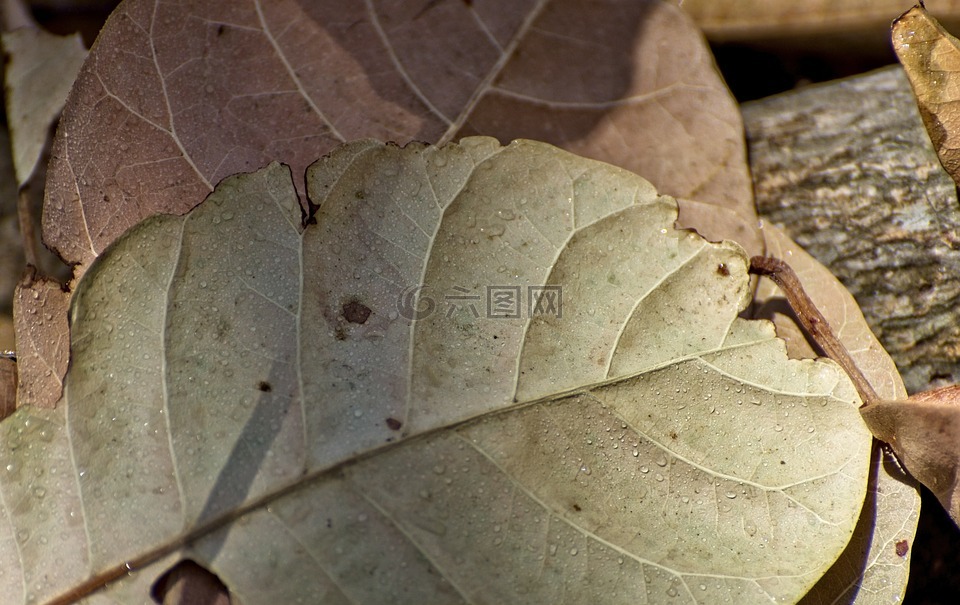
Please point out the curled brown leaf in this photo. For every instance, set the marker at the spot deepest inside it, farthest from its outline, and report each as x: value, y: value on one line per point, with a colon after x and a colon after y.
x: 924, y: 432
x: 931, y: 59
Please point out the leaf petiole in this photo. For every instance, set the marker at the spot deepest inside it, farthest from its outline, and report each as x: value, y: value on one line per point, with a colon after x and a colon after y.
x: 812, y: 320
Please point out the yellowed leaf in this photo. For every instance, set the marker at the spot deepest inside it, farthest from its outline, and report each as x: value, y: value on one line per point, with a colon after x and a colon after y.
x: 870, y: 570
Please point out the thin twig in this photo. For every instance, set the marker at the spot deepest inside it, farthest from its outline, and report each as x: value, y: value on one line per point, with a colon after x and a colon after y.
x: 812, y: 320
x: 26, y: 227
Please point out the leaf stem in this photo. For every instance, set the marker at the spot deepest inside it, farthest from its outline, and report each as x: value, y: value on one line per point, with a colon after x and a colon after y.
x: 812, y: 320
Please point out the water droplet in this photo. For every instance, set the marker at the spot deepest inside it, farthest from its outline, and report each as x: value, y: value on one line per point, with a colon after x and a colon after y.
x: 731, y: 495
x: 661, y: 462
x: 553, y: 549
x: 672, y: 592
x: 574, y: 551
x: 644, y: 469
x: 357, y: 413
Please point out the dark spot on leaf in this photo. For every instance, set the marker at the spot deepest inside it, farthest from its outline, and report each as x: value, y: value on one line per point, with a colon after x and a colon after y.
x: 329, y: 523
x: 393, y: 424
x: 576, y: 507
x: 264, y: 386
x: 190, y: 578
x: 902, y: 548
x: 722, y: 270
x: 356, y: 312
x: 220, y: 30
x: 339, y: 334
x: 782, y: 462
x: 673, y: 434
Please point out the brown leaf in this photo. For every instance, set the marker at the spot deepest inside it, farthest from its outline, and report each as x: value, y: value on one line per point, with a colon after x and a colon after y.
x: 175, y: 97
x: 43, y: 339
x: 924, y: 432
x: 931, y: 59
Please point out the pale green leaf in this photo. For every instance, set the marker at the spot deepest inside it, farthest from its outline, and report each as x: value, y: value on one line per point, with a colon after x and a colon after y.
x: 254, y: 395
x: 41, y: 68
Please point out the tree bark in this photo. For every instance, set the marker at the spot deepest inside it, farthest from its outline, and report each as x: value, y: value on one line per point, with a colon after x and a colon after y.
x: 847, y: 170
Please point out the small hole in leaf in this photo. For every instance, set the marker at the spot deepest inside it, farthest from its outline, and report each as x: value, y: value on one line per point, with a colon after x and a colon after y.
x: 264, y: 386
x: 188, y: 582
x: 356, y: 312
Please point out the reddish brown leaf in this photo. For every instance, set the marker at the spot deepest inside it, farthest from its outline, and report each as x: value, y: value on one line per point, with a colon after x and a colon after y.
x: 174, y: 97
x: 43, y: 339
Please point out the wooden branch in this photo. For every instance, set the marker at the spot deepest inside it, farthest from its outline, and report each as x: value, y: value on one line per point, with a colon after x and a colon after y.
x: 847, y: 170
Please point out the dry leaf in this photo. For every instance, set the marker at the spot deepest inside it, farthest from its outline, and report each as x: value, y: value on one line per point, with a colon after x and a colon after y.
x: 43, y: 339
x: 924, y: 432
x: 252, y: 394
x: 931, y: 59
x: 175, y: 97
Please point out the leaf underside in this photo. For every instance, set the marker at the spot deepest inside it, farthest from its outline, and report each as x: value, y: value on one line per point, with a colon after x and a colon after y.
x: 282, y: 397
